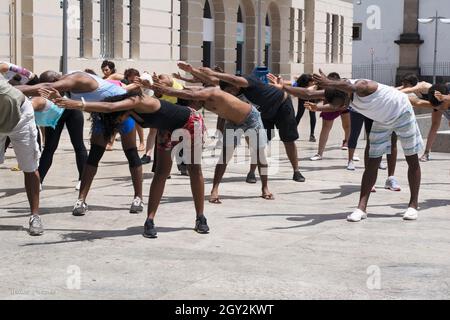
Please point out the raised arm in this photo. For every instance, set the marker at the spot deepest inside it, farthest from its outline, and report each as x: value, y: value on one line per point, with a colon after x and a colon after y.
x: 420, y: 103
x: 187, y: 80
x: 304, y: 93
x: 204, y: 77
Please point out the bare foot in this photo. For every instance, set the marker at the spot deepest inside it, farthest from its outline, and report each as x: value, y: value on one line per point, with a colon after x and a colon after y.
x: 214, y: 198
x: 109, y: 147
x: 141, y: 147
x: 267, y: 195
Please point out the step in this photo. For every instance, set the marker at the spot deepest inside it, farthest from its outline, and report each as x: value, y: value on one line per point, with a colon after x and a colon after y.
x: 442, y: 143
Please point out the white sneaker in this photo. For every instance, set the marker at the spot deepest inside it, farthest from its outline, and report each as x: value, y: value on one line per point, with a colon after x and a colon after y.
x: 41, y: 187
x: 357, y: 216
x: 78, y: 187
x: 356, y: 159
x: 392, y: 184
x: 411, y: 215
x: 317, y: 157
x: 351, y: 166
x: 137, y: 206
x: 383, y: 166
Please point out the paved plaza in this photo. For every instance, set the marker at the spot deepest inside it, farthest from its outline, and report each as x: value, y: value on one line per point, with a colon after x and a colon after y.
x: 296, y: 247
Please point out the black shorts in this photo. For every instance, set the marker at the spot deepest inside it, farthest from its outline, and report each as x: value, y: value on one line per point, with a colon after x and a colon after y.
x: 284, y: 121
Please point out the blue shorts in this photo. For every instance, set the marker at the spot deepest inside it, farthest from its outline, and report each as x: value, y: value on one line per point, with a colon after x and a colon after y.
x: 124, y: 128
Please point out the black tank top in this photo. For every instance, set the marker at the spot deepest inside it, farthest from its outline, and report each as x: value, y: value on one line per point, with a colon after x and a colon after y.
x: 170, y: 117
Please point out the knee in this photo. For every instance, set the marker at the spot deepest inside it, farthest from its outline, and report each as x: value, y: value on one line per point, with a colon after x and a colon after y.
x: 195, y: 169
x: 133, y: 158
x: 95, y: 155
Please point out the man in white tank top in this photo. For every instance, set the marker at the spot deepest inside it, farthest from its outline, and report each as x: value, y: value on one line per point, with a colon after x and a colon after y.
x: 391, y: 111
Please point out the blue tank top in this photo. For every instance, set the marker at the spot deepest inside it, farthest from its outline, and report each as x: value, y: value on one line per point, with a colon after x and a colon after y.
x: 105, y: 90
x: 50, y: 116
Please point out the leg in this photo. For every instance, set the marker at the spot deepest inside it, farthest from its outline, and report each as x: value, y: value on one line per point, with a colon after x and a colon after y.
x: 140, y: 132
x: 52, y: 141
x: 135, y: 165
x: 356, y: 124
x: 151, y: 139
x: 32, y: 186
x: 414, y: 178
x: 291, y: 151
x: 300, y: 111
x: 197, y: 188
x: 163, y: 168
x: 312, y: 122
x: 345, y: 118
x: 263, y: 173
x: 368, y: 181
x: 392, y: 158
x: 75, y: 127
x: 98, y: 147
x: 436, y: 118
x: 219, y: 173
x: 324, y: 134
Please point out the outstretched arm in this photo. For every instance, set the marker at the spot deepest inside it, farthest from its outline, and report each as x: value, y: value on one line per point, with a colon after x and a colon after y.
x: 239, y: 82
x: 197, y: 95
x: 63, y: 85
x: 304, y: 93
x: 187, y: 80
x: 420, y: 103
x: 204, y: 77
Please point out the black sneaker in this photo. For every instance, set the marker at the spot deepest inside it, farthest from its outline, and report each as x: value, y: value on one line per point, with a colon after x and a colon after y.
x: 201, y: 225
x: 150, y: 230
x: 312, y: 138
x: 298, y: 177
x: 251, y: 178
x: 183, y: 170
x: 146, y: 159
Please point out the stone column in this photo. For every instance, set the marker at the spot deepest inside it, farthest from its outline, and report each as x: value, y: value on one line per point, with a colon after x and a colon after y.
x: 410, y: 41
x: 191, y: 36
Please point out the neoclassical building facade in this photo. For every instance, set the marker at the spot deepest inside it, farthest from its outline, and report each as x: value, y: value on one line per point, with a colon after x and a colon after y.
x: 296, y: 35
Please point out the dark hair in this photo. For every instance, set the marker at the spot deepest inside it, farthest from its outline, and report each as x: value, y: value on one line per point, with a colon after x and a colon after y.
x: 304, y: 80
x: 111, y: 65
x: 410, y: 79
x: 49, y: 77
x: 33, y: 81
x: 442, y: 88
x: 332, y: 94
x: 110, y: 123
x: 334, y: 76
x: 131, y: 73
x: 90, y: 71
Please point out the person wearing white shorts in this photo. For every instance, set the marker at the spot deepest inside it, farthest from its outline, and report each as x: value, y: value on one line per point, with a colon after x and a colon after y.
x: 17, y: 122
x: 391, y: 111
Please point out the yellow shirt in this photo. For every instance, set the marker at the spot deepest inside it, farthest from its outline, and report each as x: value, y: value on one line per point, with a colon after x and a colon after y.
x: 176, y: 86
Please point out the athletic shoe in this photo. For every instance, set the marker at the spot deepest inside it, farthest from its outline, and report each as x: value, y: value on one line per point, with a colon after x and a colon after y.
x: 374, y: 190
x: 41, y: 187
x: 351, y: 166
x: 411, y: 215
x: 150, y: 230
x: 183, y: 170
x: 356, y: 159
x: 344, y: 145
x: 425, y: 157
x: 312, y: 139
x: 137, y: 206
x: 78, y: 187
x: 392, y: 184
x: 80, y: 208
x: 317, y: 157
x: 383, y: 166
x: 146, y: 159
x: 298, y: 177
x: 201, y: 225
x: 251, y: 178
x: 36, y: 227
x: 357, y: 216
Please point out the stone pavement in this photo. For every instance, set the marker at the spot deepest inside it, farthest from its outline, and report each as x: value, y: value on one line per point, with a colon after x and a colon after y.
x: 296, y: 247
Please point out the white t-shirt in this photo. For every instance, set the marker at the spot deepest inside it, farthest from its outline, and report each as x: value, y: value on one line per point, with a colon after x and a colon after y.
x: 385, y: 105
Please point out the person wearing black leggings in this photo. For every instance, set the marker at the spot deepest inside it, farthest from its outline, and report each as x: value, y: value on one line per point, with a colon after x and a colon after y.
x: 74, y: 120
x: 306, y: 81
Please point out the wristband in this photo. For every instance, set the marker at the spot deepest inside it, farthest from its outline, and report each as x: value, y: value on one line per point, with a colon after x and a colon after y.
x: 83, y: 103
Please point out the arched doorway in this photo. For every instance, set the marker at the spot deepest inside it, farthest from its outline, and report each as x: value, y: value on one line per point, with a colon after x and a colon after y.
x: 208, y: 35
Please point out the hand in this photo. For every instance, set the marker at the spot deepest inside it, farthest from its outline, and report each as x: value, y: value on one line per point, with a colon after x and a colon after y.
x: 68, y: 104
x: 176, y: 75
x: 321, y: 79
x: 185, y: 66
x: 207, y: 71
x: 50, y: 94
x: 313, y: 107
x: 439, y: 96
x: 159, y: 89
x: 275, y: 81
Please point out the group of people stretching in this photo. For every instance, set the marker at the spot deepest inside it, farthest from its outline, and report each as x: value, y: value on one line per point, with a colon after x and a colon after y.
x: 247, y: 106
